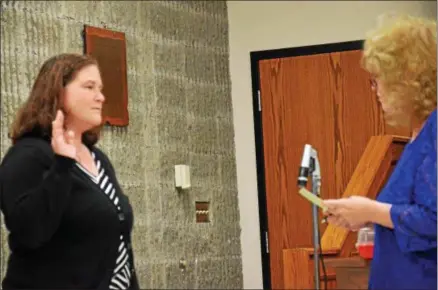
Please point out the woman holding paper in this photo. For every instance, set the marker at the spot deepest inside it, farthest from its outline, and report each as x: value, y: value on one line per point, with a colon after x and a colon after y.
x: 401, y: 57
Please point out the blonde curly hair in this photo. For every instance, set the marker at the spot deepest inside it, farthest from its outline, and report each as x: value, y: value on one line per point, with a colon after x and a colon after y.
x: 401, y: 54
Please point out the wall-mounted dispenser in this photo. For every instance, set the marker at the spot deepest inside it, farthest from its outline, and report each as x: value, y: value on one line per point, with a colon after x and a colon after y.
x: 182, y: 176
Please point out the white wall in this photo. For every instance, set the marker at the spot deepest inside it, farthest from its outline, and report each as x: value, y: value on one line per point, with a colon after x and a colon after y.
x: 260, y: 25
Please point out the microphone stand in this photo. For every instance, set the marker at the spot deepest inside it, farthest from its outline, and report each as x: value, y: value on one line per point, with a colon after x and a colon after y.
x: 316, y: 185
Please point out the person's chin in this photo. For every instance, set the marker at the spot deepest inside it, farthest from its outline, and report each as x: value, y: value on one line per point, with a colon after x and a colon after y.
x: 95, y: 122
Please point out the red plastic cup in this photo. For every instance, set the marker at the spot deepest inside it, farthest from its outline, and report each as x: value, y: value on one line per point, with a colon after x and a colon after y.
x: 365, y: 243
x: 366, y: 251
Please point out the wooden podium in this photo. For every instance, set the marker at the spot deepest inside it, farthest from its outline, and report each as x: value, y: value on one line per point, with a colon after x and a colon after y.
x: 344, y: 268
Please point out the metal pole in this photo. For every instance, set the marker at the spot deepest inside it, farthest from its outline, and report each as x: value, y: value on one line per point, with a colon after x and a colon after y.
x: 316, y: 179
x: 316, y: 245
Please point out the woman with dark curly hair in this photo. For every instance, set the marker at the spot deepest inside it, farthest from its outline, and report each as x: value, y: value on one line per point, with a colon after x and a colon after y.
x: 69, y: 222
x: 401, y: 57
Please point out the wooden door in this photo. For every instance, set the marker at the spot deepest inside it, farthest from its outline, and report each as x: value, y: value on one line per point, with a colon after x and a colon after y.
x: 324, y: 100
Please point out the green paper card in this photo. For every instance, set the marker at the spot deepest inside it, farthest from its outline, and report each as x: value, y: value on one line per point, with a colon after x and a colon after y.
x: 311, y: 197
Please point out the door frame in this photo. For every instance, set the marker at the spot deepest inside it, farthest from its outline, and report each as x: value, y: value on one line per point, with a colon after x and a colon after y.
x: 256, y: 57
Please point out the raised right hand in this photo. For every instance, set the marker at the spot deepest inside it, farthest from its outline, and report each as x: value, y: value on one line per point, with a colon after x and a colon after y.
x: 62, y: 141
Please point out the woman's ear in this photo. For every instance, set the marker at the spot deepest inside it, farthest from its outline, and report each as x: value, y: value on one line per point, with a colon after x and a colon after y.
x: 60, y: 106
x: 61, y: 102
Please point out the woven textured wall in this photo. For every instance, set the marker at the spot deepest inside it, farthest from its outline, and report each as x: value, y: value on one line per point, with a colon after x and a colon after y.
x: 180, y: 112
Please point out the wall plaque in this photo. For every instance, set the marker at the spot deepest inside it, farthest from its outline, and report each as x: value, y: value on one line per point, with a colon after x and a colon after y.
x: 109, y: 48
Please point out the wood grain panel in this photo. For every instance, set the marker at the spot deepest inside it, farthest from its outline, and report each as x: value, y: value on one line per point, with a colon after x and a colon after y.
x: 358, y: 117
x: 295, y: 111
x: 371, y: 173
x: 299, y: 271
x: 342, y: 273
x: 297, y: 268
x: 352, y: 278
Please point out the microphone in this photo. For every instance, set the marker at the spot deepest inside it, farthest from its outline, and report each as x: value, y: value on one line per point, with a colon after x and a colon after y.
x: 304, y: 168
x: 310, y: 165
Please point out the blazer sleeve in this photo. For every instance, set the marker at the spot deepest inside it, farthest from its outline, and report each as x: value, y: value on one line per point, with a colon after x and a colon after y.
x: 415, y: 224
x: 35, y: 188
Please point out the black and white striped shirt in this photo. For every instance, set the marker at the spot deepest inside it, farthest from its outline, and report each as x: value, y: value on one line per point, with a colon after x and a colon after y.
x: 121, y: 277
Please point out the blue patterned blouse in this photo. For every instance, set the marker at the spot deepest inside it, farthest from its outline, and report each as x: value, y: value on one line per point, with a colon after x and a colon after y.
x: 406, y: 257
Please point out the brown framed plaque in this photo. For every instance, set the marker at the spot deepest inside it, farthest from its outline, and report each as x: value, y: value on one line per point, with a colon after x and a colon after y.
x: 109, y: 48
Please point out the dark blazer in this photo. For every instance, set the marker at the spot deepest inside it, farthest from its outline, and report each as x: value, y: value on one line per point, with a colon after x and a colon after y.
x: 63, y: 231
